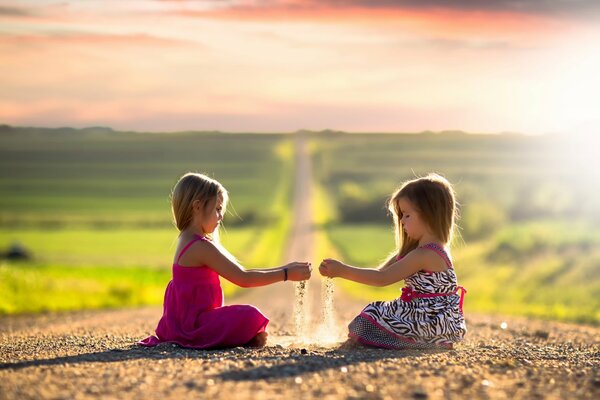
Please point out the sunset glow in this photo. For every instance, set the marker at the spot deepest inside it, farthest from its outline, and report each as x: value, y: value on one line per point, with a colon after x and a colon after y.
x: 288, y: 65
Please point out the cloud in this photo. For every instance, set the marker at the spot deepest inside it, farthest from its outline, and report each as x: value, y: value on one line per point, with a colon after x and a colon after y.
x: 13, y: 12
x: 584, y: 8
x: 75, y: 37
x: 519, y: 6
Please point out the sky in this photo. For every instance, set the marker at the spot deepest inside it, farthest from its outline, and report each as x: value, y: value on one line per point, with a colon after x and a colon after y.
x: 527, y: 66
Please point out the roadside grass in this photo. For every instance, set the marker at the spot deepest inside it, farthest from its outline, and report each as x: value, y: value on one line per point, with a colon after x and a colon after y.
x: 28, y: 288
x: 528, y: 242
x: 93, y: 210
x: 57, y: 177
x: 556, y: 283
x: 96, y: 269
x: 268, y: 245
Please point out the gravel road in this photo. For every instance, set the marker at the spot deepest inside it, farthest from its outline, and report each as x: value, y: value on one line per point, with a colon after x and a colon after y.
x: 91, y: 355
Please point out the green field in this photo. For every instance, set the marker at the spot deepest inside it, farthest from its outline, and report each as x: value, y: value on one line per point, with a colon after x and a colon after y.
x: 528, y: 238
x: 547, y: 279
x: 101, y: 178
x: 90, y: 268
x: 92, y: 207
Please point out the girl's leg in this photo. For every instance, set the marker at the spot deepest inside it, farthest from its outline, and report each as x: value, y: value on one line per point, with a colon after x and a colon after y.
x: 260, y: 340
x: 351, y: 343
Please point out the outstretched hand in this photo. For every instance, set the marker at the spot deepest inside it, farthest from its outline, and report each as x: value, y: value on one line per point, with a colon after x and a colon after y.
x: 298, y: 271
x: 331, y: 268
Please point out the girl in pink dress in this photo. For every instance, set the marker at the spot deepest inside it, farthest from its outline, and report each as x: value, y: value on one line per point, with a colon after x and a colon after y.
x: 429, y: 313
x: 193, y: 312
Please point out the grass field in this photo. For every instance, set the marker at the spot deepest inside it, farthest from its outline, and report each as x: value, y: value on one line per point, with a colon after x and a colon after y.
x: 551, y: 281
x: 528, y: 235
x: 92, y: 206
x: 90, y: 268
x: 52, y: 177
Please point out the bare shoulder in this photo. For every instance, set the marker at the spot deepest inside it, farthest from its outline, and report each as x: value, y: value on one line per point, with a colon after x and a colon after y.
x: 197, y: 253
x: 430, y: 260
x: 419, y: 256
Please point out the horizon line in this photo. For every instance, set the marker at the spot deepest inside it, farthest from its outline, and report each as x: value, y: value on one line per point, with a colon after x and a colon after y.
x: 4, y: 127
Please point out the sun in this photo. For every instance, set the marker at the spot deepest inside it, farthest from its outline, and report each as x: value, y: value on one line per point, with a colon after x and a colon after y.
x: 577, y: 90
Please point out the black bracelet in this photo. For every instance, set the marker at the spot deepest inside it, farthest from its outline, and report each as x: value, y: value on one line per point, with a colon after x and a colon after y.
x: 285, y: 274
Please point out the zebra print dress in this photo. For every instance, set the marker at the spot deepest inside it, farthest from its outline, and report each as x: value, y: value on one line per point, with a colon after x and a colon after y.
x: 427, y: 315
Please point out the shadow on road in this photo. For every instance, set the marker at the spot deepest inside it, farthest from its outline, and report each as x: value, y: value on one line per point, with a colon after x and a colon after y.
x: 161, y: 352
x: 281, y: 362
x: 295, y: 364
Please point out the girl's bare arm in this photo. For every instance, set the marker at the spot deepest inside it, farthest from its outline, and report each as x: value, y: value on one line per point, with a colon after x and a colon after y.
x: 381, y: 276
x: 206, y: 253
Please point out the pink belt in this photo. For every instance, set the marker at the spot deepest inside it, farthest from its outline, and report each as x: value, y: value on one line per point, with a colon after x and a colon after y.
x: 408, y: 294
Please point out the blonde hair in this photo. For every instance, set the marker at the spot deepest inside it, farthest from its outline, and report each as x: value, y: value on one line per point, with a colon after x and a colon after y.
x: 189, y: 188
x: 434, y: 199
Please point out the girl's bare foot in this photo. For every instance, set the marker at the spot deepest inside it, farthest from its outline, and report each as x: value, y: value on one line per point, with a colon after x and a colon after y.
x: 260, y: 340
x: 350, y: 343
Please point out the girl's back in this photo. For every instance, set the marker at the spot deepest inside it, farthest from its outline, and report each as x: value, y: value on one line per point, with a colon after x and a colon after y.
x: 194, y: 315
x: 426, y: 281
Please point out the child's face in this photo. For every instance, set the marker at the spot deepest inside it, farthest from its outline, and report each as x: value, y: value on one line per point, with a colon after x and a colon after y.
x: 410, y: 219
x: 213, y: 216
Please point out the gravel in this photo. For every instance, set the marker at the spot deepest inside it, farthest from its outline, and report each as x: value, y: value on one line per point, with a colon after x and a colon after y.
x: 92, y: 354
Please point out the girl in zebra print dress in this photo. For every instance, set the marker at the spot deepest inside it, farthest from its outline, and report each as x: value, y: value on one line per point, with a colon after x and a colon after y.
x: 429, y: 313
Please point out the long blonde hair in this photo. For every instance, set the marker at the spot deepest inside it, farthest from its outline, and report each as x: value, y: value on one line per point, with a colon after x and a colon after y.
x: 189, y: 188
x: 435, y: 201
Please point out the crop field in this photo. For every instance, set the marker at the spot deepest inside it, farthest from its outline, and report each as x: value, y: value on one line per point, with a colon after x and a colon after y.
x: 92, y: 208
x: 527, y: 241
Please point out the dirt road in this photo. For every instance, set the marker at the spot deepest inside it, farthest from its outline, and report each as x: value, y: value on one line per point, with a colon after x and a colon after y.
x: 91, y: 354
x: 301, y: 312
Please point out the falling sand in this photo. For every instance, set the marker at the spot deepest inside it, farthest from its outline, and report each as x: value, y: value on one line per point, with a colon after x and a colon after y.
x: 301, y: 313
x: 327, y: 330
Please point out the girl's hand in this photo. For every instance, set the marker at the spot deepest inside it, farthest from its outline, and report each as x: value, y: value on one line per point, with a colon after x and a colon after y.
x: 331, y: 268
x: 298, y: 271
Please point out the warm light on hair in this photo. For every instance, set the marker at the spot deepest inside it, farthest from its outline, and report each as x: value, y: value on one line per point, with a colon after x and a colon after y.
x: 434, y: 199
x: 192, y: 187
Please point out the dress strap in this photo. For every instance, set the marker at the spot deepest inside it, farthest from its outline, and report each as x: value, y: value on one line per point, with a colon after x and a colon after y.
x: 187, y: 246
x: 440, y: 251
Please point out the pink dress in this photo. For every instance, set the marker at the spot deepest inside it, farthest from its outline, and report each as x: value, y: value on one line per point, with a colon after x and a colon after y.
x: 194, y: 315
